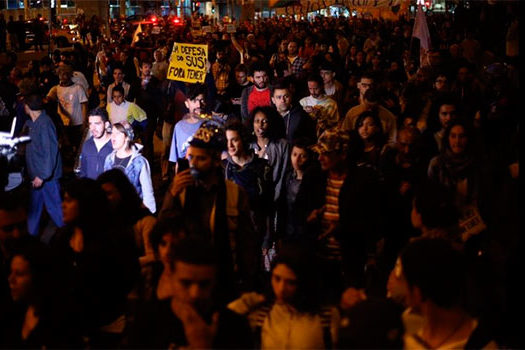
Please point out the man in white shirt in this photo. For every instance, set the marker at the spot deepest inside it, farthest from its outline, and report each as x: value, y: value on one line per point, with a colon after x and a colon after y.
x: 321, y: 108
x: 72, y: 107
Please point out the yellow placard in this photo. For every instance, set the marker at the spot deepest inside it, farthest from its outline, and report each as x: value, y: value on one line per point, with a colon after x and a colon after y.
x: 188, y: 63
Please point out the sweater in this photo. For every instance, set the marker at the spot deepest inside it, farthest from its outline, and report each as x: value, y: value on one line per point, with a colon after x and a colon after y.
x: 92, y: 160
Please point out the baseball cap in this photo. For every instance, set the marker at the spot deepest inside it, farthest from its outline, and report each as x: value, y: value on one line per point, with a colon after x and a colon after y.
x: 332, y: 140
x: 209, y: 135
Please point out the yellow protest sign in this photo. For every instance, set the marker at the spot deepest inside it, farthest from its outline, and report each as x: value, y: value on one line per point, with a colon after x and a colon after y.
x: 188, y: 63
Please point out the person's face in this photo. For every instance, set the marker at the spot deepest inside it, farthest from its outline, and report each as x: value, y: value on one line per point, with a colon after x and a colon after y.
x: 112, y: 194
x: 282, y: 100
x: 194, y: 284
x: 330, y: 160
x: 13, y: 224
x: 118, y: 75
x: 360, y: 56
x: 299, y: 157
x: 441, y: 83
x: 97, y: 126
x: 284, y: 45
x: 119, y: 140
x: 118, y: 98
x: 260, y: 124
x: 405, y: 143
x: 221, y: 55
x: 327, y: 75
x: 235, y: 146
x: 145, y: 69
x: 20, y: 278
x: 197, y: 105
x: 292, y: 48
x: 447, y: 113
x: 394, y: 66
x: 284, y: 283
x: 158, y: 56
x: 260, y: 79
x: 364, y: 84
x: 200, y: 159
x: 241, y: 78
x: 367, y: 129
x: 166, y: 243
x: 70, y: 209
x: 64, y: 77
x: 463, y: 74
x: 353, y: 50
x: 314, y: 89
x: 457, y: 139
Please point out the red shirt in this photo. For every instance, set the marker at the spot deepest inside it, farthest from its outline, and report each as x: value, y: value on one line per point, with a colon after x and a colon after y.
x: 258, y: 99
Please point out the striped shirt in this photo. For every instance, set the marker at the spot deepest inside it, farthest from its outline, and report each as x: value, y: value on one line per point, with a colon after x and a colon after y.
x: 331, y: 216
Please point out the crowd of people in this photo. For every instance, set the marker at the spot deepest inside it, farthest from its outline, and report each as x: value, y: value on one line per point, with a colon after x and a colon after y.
x: 323, y: 188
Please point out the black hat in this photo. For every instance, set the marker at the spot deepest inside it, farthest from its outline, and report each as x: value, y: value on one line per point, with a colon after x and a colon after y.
x: 209, y: 135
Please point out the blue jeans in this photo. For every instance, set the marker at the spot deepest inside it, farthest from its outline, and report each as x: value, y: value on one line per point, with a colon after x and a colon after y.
x: 49, y: 195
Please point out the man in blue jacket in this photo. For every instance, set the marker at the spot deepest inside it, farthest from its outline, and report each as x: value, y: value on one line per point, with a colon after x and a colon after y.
x: 97, y: 147
x: 44, y: 165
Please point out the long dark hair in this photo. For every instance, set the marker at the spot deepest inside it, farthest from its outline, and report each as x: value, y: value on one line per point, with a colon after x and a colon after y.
x: 93, y: 206
x: 379, y: 137
x: 276, y: 128
x: 130, y: 207
x: 468, y: 133
x: 301, y: 261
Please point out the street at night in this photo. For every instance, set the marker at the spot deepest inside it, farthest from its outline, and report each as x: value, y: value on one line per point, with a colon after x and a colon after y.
x: 259, y: 174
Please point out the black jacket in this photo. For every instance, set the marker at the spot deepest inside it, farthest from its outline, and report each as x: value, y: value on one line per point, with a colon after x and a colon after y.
x: 359, y: 211
x: 299, y: 125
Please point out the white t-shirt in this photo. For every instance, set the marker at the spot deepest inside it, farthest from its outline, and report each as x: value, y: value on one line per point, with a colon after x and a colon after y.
x: 70, y: 98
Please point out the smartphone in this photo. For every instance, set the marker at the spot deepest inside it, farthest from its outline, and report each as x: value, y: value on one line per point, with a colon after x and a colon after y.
x: 182, y: 164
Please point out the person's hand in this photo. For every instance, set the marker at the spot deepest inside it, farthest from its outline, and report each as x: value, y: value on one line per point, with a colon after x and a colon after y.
x: 37, y: 182
x: 198, y: 333
x: 181, y: 181
x: 351, y: 296
x: 314, y: 215
x: 396, y: 287
x: 404, y: 188
x: 308, y: 109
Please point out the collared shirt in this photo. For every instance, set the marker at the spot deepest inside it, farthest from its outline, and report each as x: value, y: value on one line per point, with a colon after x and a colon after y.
x: 297, y: 64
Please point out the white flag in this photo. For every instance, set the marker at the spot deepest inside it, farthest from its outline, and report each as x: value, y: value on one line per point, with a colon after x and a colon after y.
x: 421, y: 32
x: 136, y: 35
x: 421, y: 29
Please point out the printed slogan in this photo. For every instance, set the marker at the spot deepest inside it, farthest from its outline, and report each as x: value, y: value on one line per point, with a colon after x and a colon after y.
x: 188, y: 63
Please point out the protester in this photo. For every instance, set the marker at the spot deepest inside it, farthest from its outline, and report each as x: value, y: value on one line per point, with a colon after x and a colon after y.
x: 291, y: 315
x: 127, y: 158
x: 44, y: 165
x: 97, y: 147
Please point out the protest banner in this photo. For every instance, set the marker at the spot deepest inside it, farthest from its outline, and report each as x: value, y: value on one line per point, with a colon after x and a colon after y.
x: 188, y: 63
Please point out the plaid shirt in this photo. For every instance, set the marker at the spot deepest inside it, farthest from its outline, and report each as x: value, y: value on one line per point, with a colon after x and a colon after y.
x: 221, y: 75
x: 297, y: 65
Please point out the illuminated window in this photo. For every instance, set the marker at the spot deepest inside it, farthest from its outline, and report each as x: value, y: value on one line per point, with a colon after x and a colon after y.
x: 67, y: 4
x: 15, y: 4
